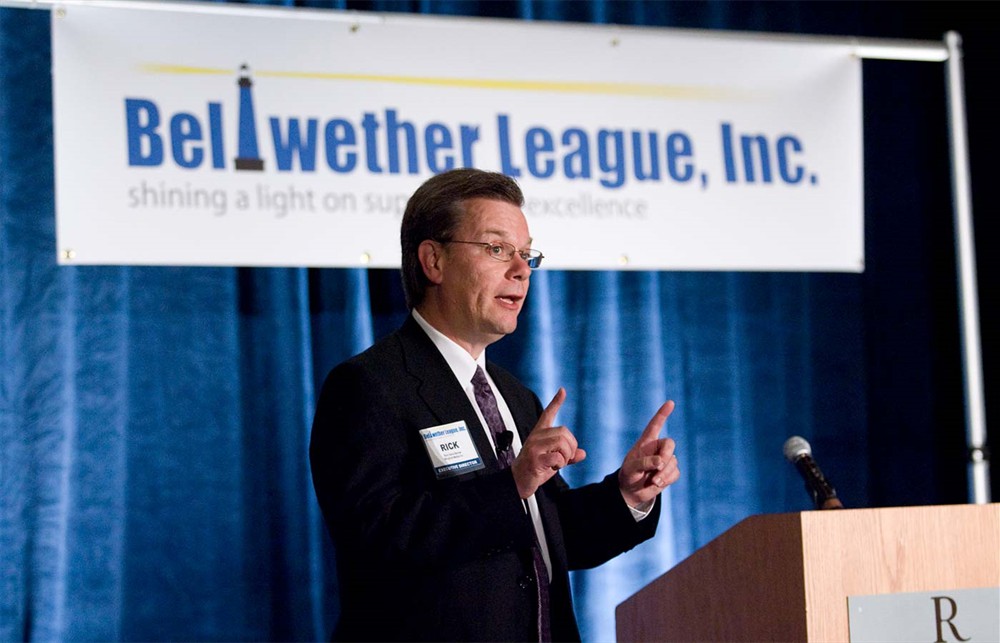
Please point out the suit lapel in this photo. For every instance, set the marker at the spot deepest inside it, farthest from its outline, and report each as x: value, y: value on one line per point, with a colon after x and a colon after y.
x: 439, y: 389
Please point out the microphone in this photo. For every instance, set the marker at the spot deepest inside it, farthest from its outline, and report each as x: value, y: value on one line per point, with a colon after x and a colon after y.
x: 798, y: 452
x: 504, y: 441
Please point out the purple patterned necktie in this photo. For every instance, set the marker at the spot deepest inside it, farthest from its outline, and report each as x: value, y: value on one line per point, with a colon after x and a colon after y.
x: 505, y: 456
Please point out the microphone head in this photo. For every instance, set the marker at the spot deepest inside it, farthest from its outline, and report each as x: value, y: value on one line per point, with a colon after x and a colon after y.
x: 795, y: 447
x: 504, y: 440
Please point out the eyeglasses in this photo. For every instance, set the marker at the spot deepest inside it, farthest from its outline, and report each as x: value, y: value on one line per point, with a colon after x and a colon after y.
x: 503, y: 251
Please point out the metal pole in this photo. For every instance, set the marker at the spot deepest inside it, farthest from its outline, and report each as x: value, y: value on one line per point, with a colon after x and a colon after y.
x: 972, y: 368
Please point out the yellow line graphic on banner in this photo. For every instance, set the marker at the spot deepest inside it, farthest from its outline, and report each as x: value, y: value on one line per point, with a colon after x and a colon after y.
x: 564, y: 87
x: 154, y: 68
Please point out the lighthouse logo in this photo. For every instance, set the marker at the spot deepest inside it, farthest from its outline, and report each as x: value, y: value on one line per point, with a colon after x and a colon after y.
x: 249, y: 158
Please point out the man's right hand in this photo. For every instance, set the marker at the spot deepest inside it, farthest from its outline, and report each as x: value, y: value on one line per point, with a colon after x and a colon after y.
x: 547, y: 449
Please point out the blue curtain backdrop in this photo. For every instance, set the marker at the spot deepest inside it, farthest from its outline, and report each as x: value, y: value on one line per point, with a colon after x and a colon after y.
x: 154, y: 422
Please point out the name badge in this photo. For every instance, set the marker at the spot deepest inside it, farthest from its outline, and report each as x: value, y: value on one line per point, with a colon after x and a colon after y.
x: 451, y: 449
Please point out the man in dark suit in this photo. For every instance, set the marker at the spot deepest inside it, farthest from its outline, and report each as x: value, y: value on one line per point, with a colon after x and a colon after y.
x: 437, y: 471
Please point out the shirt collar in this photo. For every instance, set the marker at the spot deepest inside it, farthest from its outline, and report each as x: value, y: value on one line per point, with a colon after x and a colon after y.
x: 461, y: 363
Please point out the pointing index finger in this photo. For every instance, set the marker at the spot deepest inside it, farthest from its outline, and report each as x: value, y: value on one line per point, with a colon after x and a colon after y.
x: 548, y: 417
x: 652, y: 430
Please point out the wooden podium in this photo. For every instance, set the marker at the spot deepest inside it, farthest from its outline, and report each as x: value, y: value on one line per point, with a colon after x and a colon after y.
x: 786, y: 577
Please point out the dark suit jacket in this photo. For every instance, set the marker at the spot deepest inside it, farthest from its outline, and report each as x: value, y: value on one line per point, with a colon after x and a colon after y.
x: 425, y: 559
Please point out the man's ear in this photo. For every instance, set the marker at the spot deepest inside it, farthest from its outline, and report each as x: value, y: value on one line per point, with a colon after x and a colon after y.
x: 430, y: 255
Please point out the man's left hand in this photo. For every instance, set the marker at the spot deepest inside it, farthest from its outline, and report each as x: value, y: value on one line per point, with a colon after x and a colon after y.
x: 650, y: 465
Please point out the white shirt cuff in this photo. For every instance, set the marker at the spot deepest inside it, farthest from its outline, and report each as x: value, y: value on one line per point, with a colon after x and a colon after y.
x: 642, y: 511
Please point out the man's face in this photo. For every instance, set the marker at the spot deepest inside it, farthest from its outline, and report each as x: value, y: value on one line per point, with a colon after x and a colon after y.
x: 480, y: 296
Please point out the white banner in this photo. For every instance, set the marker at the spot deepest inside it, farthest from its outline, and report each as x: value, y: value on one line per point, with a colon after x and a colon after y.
x: 206, y: 135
